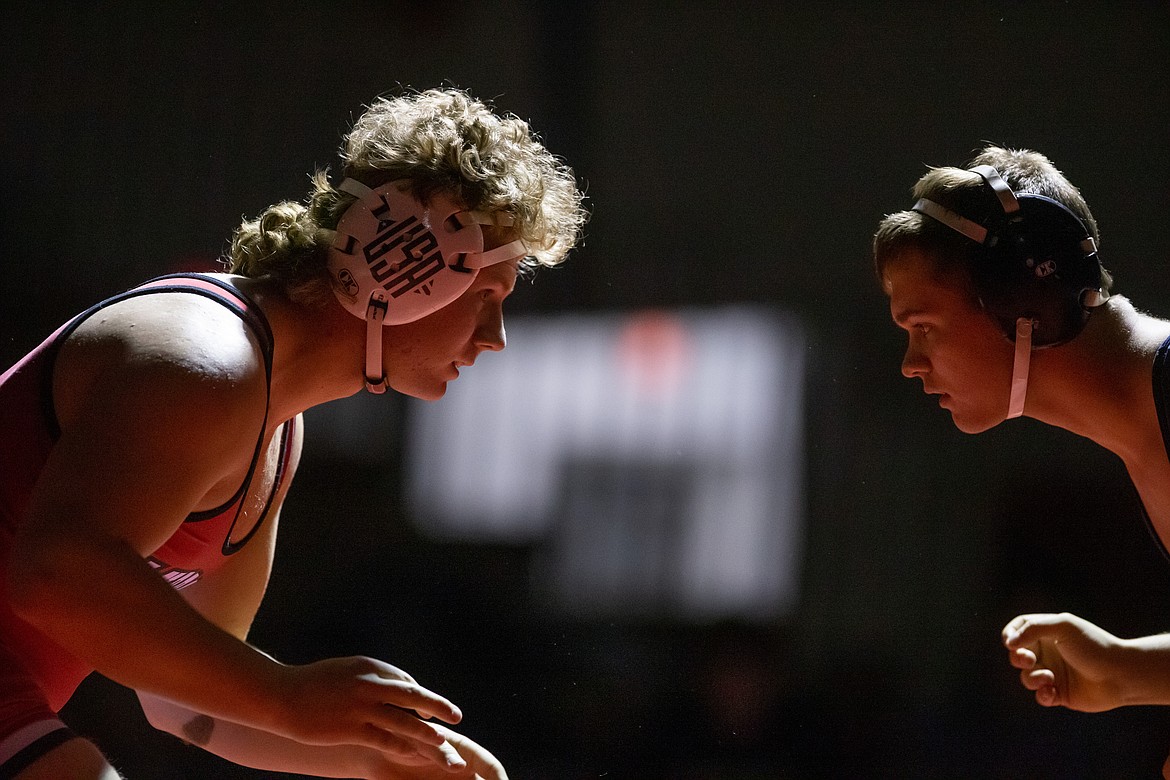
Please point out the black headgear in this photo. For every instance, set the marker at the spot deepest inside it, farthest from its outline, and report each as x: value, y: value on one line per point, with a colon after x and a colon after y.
x: 1039, y: 262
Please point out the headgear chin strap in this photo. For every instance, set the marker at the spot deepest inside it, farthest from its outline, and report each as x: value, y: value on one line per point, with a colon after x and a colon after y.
x: 1020, y: 366
x: 395, y: 260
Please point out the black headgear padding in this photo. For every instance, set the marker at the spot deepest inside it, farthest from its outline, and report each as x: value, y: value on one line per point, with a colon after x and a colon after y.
x: 1038, y: 262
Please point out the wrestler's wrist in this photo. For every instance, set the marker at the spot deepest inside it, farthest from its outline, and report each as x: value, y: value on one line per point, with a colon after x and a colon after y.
x: 269, y: 694
x: 1143, y: 671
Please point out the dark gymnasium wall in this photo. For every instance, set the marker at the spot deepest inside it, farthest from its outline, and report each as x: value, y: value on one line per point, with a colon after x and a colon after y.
x: 733, y: 153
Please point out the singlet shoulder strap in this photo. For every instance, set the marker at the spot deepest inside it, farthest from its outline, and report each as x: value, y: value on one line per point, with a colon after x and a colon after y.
x: 217, y: 289
x: 1162, y: 404
x: 287, y: 434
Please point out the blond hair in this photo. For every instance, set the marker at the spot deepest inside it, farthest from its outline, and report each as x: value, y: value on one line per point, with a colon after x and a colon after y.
x: 440, y: 141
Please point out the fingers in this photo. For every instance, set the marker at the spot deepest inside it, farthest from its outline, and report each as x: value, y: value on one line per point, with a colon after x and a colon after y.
x: 426, y: 761
x: 486, y: 766
x: 445, y: 755
x: 412, y: 696
x: 398, y: 731
x: 388, y: 742
x: 428, y: 703
x: 1022, y: 658
x: 362, y: 701
x: 398, y: 689
x: 450, y: 758
x: 431, y: 705
x: 405, y: 722
x: 480, y: 761
x: 1048, y: 696
x: 1024, y: 636
x: 1030, y: 629
x: 1035, y: 679
x: 1042, y: 682
x: 413, y: 752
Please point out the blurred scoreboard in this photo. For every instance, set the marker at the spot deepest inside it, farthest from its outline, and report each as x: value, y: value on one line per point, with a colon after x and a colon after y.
x: 653, y: 460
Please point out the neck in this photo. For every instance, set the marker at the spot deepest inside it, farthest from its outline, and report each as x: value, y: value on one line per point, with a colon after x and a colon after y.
x: 318, y: 351
x: 1099, y: 384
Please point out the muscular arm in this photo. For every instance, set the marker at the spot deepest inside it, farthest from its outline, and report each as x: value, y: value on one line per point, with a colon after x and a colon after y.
x: 149, y: 429
x: 158, y: 419
x: 262, y: 750
x: 230, y: 598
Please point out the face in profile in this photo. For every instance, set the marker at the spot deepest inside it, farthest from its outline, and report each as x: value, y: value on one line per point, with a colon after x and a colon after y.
x: 421, y: 357
x: 953, y: 345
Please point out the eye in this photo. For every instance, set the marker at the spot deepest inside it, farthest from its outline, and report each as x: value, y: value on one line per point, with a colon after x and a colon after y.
x: 918, y: 328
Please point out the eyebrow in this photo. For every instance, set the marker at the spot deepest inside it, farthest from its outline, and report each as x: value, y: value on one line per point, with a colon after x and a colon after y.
x: 908, y: 314
x: 507, y: 284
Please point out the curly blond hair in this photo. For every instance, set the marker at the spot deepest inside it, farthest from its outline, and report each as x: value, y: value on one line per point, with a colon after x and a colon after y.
x: 440, y: 141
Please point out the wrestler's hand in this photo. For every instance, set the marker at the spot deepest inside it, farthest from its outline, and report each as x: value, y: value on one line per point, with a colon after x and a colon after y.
x: 363, y: 701
x: 1067, y: 661
x: 481, y: 765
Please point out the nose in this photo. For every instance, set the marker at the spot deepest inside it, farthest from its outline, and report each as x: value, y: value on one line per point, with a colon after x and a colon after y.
x: 914, y: 363
x: 490, y: 335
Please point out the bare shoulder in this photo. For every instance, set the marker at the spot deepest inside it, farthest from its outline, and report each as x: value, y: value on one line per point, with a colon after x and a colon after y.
x: 160, y: 369
x: 186, y: 347
x: 159, y: 400
x: 1147, y: 332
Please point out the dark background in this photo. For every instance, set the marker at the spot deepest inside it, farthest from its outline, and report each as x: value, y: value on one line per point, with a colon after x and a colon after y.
x: 733, y: 153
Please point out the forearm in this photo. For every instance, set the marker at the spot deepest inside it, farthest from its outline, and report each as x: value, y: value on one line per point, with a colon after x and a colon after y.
x: 270, y: 752
x: 134, y: 628
x: 255, y: 748
x: 1144, y: 671
x: 137, y: 630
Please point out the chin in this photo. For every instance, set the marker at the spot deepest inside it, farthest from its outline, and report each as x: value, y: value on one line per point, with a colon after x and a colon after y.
x: 424, y: 393
x: 973, y: 426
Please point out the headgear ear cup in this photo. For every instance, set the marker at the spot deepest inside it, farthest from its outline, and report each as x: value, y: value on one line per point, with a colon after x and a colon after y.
x: 395, y: 260
x: 1041, y: 264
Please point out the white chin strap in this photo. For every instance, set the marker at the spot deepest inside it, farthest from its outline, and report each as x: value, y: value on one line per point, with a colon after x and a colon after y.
x: 1020, y: 367
x: 375, y: 370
